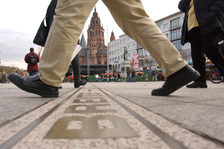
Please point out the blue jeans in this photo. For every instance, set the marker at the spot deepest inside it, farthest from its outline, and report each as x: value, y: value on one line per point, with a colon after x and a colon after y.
x: 32, y: 73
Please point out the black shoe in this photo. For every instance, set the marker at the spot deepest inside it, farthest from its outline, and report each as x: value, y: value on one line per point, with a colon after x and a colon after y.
x: 176, y: 81
x: 76, y: 84
x: 197, y: 85
x: 79, y: 83
x: 33, y: 84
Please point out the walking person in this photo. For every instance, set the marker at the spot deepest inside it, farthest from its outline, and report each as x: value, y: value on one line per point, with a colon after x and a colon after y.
x: 4, y: 77
x: 128, y: 78
x: 32, y: 59
x: 39, y: 41
x: 130, y: 15
x: 133, y: 76
x: 203, y: 27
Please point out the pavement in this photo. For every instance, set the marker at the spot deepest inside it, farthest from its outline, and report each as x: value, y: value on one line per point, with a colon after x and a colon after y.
x: 117, y: 115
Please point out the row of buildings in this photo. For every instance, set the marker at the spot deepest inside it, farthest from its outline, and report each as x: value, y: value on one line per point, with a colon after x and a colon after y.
x: 96, y: 57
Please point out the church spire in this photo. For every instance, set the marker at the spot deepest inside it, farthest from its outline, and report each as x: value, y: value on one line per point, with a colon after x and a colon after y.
x: 112, y: 37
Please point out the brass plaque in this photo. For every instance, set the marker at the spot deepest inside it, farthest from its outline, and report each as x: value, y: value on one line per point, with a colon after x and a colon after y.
x: 90, y: 100
x: 117, y: 127
x: 86, y: 109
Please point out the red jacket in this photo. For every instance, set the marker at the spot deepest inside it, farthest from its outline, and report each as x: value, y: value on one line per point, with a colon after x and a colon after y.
x: 32, y: 67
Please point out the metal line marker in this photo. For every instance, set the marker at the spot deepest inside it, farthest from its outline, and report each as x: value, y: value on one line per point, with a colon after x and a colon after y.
x: 20, y: 135
x: 171, y: 142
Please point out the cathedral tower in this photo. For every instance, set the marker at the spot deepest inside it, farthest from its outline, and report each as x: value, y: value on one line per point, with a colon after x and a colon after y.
x: 112, y: 37
x: 95, y: 41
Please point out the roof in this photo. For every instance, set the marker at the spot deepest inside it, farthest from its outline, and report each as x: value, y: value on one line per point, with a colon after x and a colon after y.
x: 174, y: 14
x: 83, y: 52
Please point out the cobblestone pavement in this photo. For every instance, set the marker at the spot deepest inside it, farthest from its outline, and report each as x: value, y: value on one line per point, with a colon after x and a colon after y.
x: 113, y: 116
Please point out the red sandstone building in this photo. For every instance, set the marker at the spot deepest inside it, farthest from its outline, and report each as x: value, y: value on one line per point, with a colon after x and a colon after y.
x: 95, y: 54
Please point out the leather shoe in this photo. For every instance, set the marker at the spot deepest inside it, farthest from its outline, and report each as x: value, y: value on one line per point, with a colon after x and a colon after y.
x: 79, y: 83
x: 33, y: 84
x: 197, y: 85
x: 176, y: 81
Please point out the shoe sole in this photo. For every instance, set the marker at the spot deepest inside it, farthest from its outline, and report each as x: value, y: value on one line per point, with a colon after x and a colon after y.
x: 31, y: 90
x: 196, y: 87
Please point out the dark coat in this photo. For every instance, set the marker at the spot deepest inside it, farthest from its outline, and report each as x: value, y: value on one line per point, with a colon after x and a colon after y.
x: 42, y: 33
x: 209, y: 14
x: 50, y: 13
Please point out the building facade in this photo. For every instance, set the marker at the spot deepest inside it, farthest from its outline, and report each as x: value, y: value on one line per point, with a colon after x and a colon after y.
x: 116, y: 53
x: 171, y: 27
x: 95, y: 43
x: 94, y: 55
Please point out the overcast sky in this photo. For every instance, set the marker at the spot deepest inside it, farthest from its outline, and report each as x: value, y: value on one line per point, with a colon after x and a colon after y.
x: 20, y: 20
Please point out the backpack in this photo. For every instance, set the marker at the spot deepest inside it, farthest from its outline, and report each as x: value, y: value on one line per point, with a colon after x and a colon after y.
x: 32, y: 59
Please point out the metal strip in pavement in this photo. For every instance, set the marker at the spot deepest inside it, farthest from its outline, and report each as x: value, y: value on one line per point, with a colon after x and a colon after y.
x: 20, y: 135
x: 200, y: 133
x: 171, y: 142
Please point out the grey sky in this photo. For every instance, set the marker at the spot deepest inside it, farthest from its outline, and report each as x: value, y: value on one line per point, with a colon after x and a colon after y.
x: 20, y: 20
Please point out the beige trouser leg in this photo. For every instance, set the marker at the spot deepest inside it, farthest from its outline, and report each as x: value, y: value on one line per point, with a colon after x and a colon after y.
x: 66, y: 28
x: 130, y: 16
x: 133, y: 20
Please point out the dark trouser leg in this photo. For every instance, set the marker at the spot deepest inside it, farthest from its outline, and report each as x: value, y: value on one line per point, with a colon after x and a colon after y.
x: 210, y: 46
x: 76, y: 70
x: 197, y: 54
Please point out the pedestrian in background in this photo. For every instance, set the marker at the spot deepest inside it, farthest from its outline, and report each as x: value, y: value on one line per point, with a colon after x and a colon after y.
x: 133, y: 75
x: 203, y: 27
x: 130, y: 15
x: 32, y: 59
x: 128, y: 78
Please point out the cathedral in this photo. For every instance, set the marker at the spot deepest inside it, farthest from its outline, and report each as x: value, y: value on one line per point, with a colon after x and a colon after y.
x: 94, y: 55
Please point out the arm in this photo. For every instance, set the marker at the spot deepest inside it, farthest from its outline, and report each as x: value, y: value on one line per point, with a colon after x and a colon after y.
x: 26, y: 58
x: 183, y: 5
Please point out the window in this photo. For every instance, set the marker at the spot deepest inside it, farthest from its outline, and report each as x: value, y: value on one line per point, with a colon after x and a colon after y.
x: 165, y: 26
x: 133, y: 45
x: 175, y: 23
x: 140, y: 52
x: 175, y: 34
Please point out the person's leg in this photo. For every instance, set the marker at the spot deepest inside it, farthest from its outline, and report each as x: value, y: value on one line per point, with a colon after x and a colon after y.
x: 68, y: 23
x: 76, y: 71
x: 63, y: 36
x: 198, y: 58
x: 34, y: 72
x: 133, y: 20
x: 210, y: 46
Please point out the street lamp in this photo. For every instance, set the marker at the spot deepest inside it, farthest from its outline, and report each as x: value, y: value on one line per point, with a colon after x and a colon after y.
x: 88, y: 71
